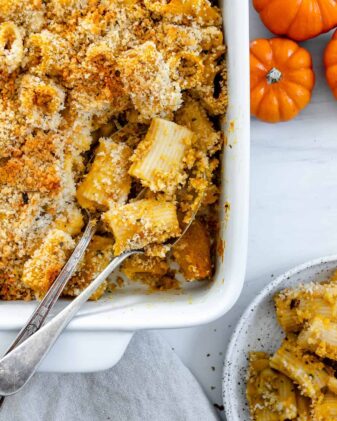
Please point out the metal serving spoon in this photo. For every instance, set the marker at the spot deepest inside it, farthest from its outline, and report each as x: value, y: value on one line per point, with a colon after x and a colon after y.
x: 20, y: 363
x: 41, y: 312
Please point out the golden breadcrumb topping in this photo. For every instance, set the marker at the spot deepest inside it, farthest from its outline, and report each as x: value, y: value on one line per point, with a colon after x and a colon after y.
x: 97, y: 257
x: 41, y: 270
x: 81, y: 83
x: 146, y: 76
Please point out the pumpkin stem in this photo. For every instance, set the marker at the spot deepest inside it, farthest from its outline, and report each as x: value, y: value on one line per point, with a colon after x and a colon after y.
x: 273, y: 76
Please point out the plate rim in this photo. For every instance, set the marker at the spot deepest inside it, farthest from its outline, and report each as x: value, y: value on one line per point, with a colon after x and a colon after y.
x: 226, y: 394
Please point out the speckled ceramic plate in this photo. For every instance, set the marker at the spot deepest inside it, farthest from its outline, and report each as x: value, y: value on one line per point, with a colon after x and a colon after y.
x: 258, y: 330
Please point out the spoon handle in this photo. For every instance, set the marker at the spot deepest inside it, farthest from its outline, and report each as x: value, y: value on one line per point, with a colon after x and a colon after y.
x: 19, y: 365
x: 39, y: 315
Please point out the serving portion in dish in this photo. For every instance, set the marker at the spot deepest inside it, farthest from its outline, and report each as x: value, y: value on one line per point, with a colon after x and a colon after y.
x: 298, y: 381
x: 282, y: 364
x: 102, y: 100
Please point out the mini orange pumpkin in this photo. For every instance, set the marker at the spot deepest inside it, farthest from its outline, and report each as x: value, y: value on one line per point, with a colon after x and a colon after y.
x: 298, y: 19
x: 330, y: 61
x: 281, y: 78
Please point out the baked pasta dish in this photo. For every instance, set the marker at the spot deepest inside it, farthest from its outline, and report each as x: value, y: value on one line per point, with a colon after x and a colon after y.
x: 299, y: 382
x: 101, y: 100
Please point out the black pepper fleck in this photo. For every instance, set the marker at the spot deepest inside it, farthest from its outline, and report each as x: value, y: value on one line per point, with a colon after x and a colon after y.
x: 25, y: 198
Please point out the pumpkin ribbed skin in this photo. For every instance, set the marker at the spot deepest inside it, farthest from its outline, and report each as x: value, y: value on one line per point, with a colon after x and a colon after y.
x: 298, y: 19
x: 330, y: 61
x: 281, y: 78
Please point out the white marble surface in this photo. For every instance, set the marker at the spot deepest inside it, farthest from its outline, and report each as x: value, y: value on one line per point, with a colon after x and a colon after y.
x: 293, y: 212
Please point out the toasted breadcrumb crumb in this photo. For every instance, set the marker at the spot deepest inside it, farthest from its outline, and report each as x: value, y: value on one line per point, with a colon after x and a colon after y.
x: 73, y: 72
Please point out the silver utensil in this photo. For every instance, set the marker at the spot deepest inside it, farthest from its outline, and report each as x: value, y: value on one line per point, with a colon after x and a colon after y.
x: 45, y: 306
x: 41, y: 312
x: 19, y: 365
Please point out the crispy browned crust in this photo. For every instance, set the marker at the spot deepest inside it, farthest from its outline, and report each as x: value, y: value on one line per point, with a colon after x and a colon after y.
x: 80, y: 67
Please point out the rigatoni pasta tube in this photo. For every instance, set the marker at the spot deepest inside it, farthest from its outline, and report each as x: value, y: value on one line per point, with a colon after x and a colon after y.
x: 269, y: 390
x: 159, y: 159
x: 296, y: 306
x: 140, y: 223
x: 304, y: 369
x: 320, y: 337
x: 108, y: 179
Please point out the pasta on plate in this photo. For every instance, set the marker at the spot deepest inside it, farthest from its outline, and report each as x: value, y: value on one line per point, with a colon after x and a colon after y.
x: 99, y: 100
x: 299, y: 381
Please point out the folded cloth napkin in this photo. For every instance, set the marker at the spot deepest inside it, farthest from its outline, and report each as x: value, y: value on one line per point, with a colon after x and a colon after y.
x: 150, y: 383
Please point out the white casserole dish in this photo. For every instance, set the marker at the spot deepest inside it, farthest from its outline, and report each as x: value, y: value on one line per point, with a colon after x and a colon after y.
x: 98, y: 337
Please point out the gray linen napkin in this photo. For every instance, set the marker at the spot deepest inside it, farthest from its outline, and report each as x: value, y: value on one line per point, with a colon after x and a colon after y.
x: 150, y: 383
